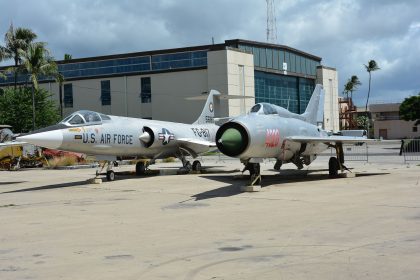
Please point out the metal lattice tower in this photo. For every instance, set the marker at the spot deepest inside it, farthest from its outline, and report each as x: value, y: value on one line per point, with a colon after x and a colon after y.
x: 271, y: 22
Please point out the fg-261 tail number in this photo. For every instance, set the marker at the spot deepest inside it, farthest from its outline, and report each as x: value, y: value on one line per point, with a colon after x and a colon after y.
x: 201, y: 132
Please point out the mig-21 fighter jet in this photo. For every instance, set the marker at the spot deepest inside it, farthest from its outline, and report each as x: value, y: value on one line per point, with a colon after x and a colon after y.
x: 271, y: 131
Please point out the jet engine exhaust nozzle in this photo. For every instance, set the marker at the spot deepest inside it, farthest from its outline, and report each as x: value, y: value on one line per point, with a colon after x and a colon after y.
x: 232, y: 139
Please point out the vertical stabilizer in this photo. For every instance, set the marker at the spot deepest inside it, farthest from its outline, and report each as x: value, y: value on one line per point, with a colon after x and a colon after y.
x: 207, y: 115
x: 314, y: 112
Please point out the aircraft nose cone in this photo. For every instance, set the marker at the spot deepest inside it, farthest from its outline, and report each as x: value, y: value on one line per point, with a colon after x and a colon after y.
x: 231, y: 139
x: 49, y: 139
x: 145, y: 137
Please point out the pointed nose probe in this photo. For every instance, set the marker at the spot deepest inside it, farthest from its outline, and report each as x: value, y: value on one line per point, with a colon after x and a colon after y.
x: 50, y: 139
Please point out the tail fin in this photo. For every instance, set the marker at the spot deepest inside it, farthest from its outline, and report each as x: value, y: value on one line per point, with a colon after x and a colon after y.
x: 314, y: 113
x: 207, y: 115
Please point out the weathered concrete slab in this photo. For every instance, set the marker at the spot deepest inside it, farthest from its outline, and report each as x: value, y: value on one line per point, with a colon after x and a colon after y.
x: 302, y: 226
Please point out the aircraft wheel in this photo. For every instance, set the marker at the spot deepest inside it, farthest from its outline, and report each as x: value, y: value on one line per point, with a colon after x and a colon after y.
x: 140, y: 168
x: 333, y: 167
x: 196, y: 166
x: 110, y: 175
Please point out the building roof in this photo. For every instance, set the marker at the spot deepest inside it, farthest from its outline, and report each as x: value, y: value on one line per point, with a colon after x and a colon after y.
x: 213, y: 47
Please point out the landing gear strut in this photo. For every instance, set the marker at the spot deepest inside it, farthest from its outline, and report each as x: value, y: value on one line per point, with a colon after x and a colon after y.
x: 254, y: 172
x: 141, y: 167
x: 337, y: 163
x: 278, y: 165
x: 186, y: 165
x: 110, y: 174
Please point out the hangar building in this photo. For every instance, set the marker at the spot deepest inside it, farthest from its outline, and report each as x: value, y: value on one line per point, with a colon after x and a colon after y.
x: 155, y: 84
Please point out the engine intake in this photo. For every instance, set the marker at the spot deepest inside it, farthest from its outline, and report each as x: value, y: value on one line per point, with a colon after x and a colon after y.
x: 232, y: 139
x: 147, y: 137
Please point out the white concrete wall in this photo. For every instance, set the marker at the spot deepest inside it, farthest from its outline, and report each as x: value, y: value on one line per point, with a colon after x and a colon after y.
x: 232, y: 72
x: 396, y: 129
x: 328, y: 77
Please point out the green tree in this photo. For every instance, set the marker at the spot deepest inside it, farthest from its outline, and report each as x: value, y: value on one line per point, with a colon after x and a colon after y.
x: 362, y: 122
x: 37, y: 61
x: 370, y: 67
x: 16, y: 40
x: 16, y: 108
x: 68, y: 56
x: 410, y: 109
x: 352, y: 85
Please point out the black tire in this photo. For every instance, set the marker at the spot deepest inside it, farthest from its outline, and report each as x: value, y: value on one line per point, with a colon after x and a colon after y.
x: 110, y: 175
x: 196, y: 166
x: 333, y: 167
x: 140, y: 168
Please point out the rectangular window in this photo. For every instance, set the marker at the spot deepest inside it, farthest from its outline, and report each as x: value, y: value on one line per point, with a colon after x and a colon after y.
x: 146, y: 90
x: 414, y: 128
x: 276, y: 59
x: 269, y: 53
x: 68, y: 96
x: 263, y: 57
x: 106, y: 92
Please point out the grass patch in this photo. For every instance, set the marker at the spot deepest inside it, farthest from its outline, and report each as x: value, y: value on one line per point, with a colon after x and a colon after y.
x: 62, y: 161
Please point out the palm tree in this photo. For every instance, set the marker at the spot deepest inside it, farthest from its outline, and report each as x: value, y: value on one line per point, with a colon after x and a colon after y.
x: 351, y: 85
x: 355, y: 83
x: 347, y: 89
x: 37, y: 61
x: 16, y: 39
x: 370, y: 67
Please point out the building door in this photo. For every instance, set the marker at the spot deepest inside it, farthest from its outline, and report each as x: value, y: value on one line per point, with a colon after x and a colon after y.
x: 383, y: 133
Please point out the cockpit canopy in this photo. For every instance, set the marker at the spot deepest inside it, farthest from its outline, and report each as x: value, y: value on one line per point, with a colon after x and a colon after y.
x: 264, y: 109
x: 85, y: 117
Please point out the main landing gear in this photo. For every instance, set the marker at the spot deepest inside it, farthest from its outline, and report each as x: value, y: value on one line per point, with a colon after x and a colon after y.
x: 187, y: 167
x: 254, y: 172
x: 141, y: 167
x: 110, y: 174
x: 337, y: 163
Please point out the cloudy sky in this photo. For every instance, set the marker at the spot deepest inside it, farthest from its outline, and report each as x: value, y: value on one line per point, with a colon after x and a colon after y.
x: 345, y: 33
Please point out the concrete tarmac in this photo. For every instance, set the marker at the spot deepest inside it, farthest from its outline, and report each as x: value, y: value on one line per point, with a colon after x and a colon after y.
x: 301, y: 225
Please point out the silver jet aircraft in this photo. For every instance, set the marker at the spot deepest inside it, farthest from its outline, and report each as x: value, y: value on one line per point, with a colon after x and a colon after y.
x: 270, y: 131
x: 107, y: 137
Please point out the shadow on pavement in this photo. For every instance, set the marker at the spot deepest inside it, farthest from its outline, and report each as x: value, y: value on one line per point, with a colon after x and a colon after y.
x: 49, y: 187
x: 286, y: 176
x: 10, y: 183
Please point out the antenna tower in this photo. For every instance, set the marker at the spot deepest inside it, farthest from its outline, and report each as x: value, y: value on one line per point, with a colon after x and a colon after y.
x: 271, y: 22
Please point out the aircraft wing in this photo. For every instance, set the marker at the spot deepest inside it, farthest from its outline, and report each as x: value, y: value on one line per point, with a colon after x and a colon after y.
x: 331, y: 139
x: 196, y: 142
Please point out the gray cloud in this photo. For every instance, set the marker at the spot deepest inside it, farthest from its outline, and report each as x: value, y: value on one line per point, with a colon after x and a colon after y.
x: 345, y: 33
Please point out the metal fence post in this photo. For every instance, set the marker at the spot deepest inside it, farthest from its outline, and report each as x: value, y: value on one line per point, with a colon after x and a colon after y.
x: 367, y: 152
